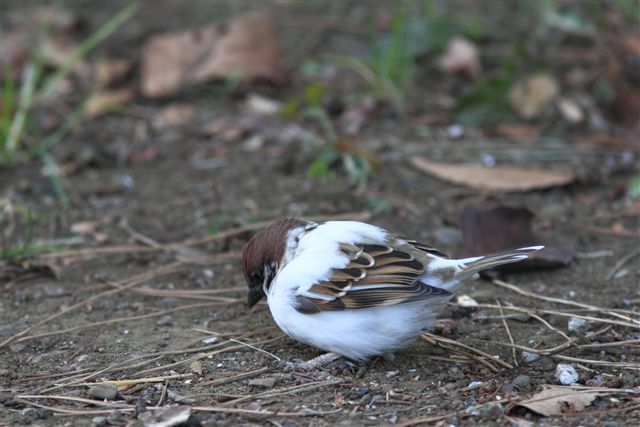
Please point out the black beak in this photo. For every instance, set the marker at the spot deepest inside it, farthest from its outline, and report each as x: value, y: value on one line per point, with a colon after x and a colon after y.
x: 254, y: 295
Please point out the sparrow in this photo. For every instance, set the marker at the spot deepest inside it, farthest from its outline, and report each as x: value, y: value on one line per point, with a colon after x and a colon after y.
x: 353, y: 288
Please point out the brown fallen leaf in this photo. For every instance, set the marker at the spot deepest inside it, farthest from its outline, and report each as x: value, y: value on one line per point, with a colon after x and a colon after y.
x: 498, y: 178
x: 106, y: 101
x: 84, y: 227
x: 504, y: 228
x: 112, y: 70
x: 516, y: 131
x: 560, y: 400
x: 461, y: 57
x: 250, y: 46
x: 174, y: 115
x: 532, y: 96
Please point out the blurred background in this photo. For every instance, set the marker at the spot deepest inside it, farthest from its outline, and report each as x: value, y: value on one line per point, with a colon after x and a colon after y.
x: 143, y: 142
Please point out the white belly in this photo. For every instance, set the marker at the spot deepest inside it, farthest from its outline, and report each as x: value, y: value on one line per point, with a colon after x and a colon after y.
x: 356, y: 334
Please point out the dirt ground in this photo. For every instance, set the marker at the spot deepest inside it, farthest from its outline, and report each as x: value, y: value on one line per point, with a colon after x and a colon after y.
x: 166, y: 300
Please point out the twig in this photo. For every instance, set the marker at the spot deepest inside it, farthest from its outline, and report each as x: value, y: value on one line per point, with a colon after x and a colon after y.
x: 431, y: 338
x: 506, y: 327
x: 237, y: 377
x: 123, y: 319
x: 625, y: 259
x: 610, y: 312
x: 126, y: 284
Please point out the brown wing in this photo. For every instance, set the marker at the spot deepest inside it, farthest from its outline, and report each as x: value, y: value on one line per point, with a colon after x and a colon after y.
x: 377, y: 275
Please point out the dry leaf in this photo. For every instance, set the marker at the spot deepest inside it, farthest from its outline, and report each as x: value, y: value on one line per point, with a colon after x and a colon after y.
x: 498, y: 178
x: 112, y: 70
x: 174, y: 115
x: 504, y: 228
x: 262, y: 106
x: 250, y: 47
x: 168, y: 416
x: 559, y: 400
x: 532, y: 96
x: 516, y: 131
x: 84, y: 227
x: 107, y: 101
x: 461, y: 57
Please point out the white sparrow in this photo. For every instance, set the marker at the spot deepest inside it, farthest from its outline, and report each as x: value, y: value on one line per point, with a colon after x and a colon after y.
x: 353, y: 288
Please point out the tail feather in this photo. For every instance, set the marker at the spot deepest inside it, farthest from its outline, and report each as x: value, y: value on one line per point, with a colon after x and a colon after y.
x: 471, y: 266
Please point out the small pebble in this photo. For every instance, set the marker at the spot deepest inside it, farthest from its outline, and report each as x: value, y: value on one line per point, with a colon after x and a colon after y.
x: 522, y: 381
x: 508, y: 389
x: 166, y: 321
x: 491, y: 411
x: 392, y: 374
x: 17, y: 348
x: 596, y: 381
x: 530, y: 357
x: 104, y: 391
x: 566, y: 374
x: 577, y: 324
x: 99, y: 421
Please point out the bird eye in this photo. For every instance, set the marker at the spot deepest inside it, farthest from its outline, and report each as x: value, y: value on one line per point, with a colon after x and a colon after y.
x: 257, y: 276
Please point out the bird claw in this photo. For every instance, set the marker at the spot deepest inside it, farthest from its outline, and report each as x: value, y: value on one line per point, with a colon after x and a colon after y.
x: 309, y: 365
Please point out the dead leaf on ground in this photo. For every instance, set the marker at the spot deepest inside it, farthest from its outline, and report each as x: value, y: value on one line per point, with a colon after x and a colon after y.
x: 560, y: 400
x: 516, y: 131
x: 532, y: 96
x: 461, y: 57
x: 107, y: 100
x: 112, y: 70
x: 250, y: 46
x: 498, y: 178
x: 84, y: 227
x: 225, y: 129
x: 570, y: 110
x: 504, y: 228
x: 174, y: 115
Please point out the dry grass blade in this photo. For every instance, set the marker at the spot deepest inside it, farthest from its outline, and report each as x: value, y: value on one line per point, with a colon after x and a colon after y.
x: 506, y: 327
x: 124, y: 284
x: 284, y: 391
x: 222, y: 235
x: 479, y: 355
x: 236, y: 377
x: 610, y: 312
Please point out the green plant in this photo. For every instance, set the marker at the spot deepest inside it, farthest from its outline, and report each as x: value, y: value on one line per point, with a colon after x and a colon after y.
x: 35, y: 91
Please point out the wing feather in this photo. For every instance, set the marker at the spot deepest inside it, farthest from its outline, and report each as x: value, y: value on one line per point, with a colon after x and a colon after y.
x: 377, y: 275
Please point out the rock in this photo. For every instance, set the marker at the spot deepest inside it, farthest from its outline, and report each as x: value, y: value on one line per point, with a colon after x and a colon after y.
x: 596, y: 381
x: 267, y: 382
x: 522, y: 381
x: 99, y: 421
x: 530, y: 357
x: 391, y: 374
x: 166, y: 320
x: 508, y: 389
x: 490, y: 411
x: 104, y: 391
x: 17, y: 348
x: 577, y: 324
x: 566, y: 374
x: 56, y: 291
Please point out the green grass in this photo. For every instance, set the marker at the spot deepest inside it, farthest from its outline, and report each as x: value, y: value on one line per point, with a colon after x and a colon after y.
x: 36, y: 89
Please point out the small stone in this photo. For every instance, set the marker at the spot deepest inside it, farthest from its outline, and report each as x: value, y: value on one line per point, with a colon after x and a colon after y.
x: 522, y: 381
x: 168, y: 416
x: 99, y: 421
x: 104, y: 391
x: 56, y: 291
x: 508, y: 389
x: 596, y: 381
x: 530, y: 357
x: 17, y: 348
x: 491, y: 411
x: 169, y: 302
x: 577, y: 324
x: 566, y: 374
x: 267, y: 382
x: 166, y: 320
x: 391, y: 374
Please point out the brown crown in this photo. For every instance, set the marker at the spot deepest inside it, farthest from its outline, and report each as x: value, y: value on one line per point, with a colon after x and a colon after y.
x: 268, y: 245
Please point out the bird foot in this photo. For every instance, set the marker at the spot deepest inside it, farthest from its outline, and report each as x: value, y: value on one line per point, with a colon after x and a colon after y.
x: 309, y: 365
x: 445, y: 327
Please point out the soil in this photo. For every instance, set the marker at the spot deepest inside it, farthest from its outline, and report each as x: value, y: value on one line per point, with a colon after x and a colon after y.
x: 149, y: 187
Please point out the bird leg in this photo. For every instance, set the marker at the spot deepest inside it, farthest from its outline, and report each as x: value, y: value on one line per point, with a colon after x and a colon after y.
x: 314, y: 363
